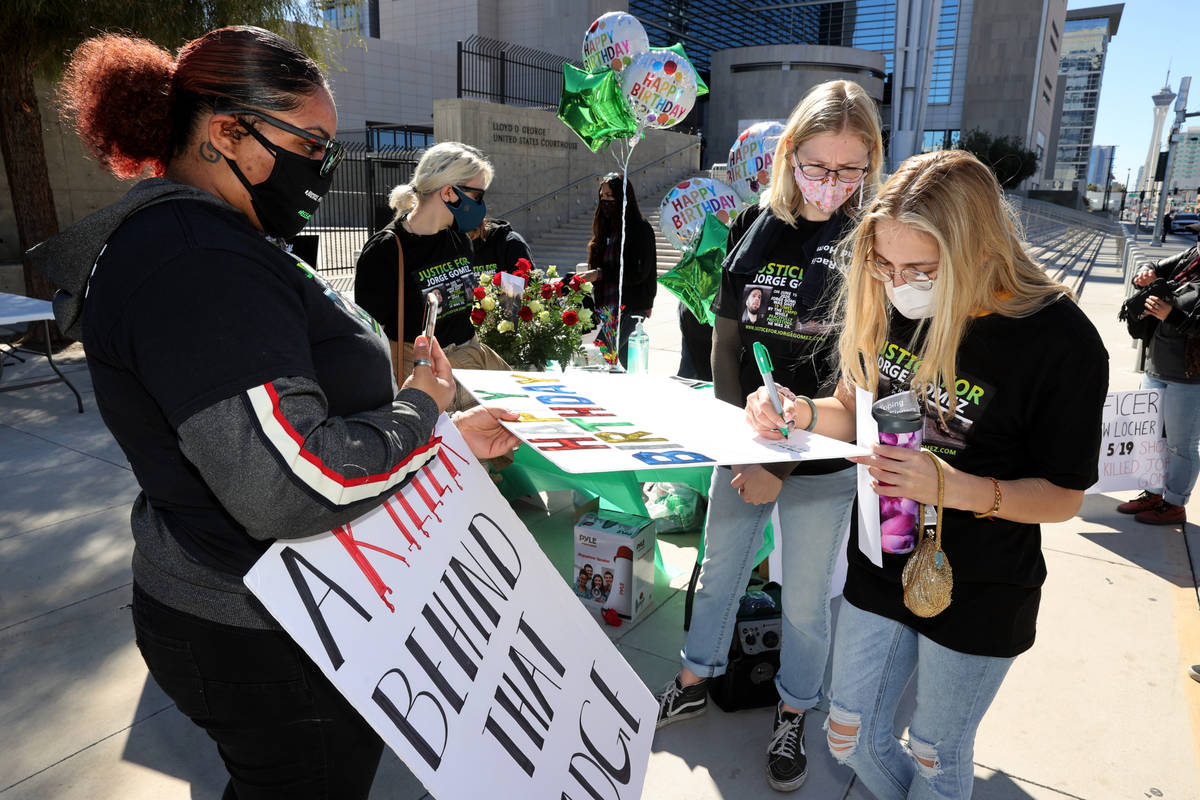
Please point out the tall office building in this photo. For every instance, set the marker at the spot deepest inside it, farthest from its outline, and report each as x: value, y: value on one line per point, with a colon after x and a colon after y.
x: 1185, y: 170
x: 1086, y: 35
x: 1100, y: 164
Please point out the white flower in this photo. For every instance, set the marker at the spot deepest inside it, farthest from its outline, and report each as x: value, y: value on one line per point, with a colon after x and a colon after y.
x: 505, y: 326
x: 487, y: 303
x: 586, y: 287
x: 544, y: 316
x: 536, y: 307
x: 551, y: 271
x: 585, y: 317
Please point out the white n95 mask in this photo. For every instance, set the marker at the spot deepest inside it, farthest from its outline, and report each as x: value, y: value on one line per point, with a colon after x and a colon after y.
x: 910, y: 301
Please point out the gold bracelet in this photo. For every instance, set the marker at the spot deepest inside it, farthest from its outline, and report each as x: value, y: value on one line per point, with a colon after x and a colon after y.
x: 995, y: 509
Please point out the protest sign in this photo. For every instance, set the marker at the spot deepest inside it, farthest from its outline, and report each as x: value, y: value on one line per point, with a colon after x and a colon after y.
x: 440, y: 620
x: 587, y: 422
x: 1132, y: 448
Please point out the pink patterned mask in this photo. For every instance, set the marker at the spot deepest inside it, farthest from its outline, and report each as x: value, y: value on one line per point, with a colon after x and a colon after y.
x: 825, y: 193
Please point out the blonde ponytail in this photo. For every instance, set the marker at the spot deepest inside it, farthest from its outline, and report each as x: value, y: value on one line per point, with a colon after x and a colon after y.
x: 402, y: 199
x: 444, y: 164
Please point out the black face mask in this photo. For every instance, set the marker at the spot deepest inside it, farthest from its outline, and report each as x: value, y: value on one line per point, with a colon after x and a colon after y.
x: 290, y: 195
x: 610, y: 208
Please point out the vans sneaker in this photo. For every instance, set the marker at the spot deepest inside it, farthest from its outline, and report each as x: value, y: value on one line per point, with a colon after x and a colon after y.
x: 787, y: 765
x: 1163, y: 513
x: 677, y: 702
x: 1143, y: 502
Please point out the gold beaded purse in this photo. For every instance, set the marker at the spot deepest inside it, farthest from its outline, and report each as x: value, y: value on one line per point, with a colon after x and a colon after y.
x: 927, y: 579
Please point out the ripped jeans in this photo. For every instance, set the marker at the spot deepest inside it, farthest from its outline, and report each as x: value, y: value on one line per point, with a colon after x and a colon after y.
x: 873, y: 660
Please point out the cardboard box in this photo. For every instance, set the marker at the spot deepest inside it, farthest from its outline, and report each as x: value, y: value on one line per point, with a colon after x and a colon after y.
x: 614, y: 554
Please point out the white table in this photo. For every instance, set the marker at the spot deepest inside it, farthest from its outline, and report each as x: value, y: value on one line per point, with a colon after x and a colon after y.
x: 15, y: 309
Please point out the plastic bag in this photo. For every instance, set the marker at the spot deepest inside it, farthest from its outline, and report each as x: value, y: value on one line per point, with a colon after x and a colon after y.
x: 675, y: 507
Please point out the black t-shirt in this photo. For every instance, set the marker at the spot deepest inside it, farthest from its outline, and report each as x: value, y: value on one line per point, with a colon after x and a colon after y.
x: 188, y: 306
x: 1028, y: 399
x: 788, y: 305
x: 501, y: 250
x: 439, y: 262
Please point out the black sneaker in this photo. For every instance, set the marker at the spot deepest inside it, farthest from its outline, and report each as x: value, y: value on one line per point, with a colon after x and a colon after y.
x: 676, y: 701
x: 787, y: 766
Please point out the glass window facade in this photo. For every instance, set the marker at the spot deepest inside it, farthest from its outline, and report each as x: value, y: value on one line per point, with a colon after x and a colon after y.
x: 1084, y: 46
x: 941, y: 78
x: 707, y: 25
x: 939, y: 140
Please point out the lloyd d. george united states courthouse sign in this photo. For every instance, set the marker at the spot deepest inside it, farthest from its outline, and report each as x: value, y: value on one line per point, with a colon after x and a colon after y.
x: 441, y: 621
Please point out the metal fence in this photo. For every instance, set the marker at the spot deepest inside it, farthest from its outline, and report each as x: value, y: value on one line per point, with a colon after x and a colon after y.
x: 509, y: 74
x: 356, y: 205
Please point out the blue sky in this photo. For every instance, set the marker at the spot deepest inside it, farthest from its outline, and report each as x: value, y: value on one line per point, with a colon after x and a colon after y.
x: 1152, y: 34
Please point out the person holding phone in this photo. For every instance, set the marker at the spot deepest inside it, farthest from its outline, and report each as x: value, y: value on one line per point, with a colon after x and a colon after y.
x: 223, y: 423
x: 434, y: 214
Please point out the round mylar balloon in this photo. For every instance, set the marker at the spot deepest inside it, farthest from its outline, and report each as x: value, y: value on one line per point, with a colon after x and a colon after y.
x: 750, y: 159
x: 612, y: 41
x: 682, y: 211
x: 660, y: 87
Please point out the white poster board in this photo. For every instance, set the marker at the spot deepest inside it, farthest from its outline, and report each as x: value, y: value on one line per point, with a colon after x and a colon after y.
x: 441, y: 621
x: 609, y: 422
x: 870, y: 537
x: 1133, y: 451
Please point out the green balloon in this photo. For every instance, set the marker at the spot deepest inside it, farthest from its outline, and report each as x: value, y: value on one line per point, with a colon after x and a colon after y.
x: 701, y: 86
x: 592, y: 106
x: 697, y: 277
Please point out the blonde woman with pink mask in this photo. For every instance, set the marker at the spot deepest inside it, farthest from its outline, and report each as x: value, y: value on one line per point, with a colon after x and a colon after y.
x: 779, y: 287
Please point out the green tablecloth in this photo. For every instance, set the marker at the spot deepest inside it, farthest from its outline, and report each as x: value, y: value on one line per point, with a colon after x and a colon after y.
x: 531, y: 472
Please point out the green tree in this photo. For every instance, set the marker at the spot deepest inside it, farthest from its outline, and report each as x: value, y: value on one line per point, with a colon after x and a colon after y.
x: 36, y: 38
x: 1005, y: 156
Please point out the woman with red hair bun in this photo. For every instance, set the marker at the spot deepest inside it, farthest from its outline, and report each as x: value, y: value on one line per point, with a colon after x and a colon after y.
x: 224, y: 368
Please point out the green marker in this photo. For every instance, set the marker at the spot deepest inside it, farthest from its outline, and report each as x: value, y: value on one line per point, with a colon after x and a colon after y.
x: 765, y: 367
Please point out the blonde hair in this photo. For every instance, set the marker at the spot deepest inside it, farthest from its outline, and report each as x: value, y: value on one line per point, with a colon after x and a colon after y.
x: 830, y: 107
x: 444, y: 164
x: 983, y: 267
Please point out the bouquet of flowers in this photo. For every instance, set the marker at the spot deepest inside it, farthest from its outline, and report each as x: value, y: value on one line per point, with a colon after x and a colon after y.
x: 543, y: 323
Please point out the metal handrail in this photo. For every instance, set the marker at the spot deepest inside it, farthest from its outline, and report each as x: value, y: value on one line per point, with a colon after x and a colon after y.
x: 554, y: 193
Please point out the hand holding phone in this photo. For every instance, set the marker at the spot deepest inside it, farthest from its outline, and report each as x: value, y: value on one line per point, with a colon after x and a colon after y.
x: 431, y: 313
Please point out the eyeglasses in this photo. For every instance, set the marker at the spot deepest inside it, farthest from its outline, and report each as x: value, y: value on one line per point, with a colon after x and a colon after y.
x: 470, y: 191
x: 883, y: 271
x: 334, y: 150
x: 816, y: 172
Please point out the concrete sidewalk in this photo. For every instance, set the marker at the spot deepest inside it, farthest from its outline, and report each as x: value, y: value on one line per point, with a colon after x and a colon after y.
x: 1100, y: 708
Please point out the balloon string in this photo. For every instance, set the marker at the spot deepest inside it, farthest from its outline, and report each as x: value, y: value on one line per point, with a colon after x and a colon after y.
x: 621, y: 259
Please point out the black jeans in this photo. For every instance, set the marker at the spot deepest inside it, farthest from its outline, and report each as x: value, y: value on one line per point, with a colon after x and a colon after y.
x: 280, y: 726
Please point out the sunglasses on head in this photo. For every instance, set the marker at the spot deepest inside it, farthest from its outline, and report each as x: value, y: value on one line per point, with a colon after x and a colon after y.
x: 334, y: 150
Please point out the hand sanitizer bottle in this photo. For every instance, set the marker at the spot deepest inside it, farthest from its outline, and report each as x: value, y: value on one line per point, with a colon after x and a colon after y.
x: 639, y: 349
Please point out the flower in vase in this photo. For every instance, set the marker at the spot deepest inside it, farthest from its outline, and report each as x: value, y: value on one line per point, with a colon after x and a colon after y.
x: 488, y: 303
x: 536, y: 307
x: 505, y: 326
x: 585, y: 316
x: 586, y: 287
x: 526, y: 313
x: 523, y: 265
x: 570, y: 317
x: 551, y: 271
x: 544, y: 316
x: 547, y: 291
x: 478, y: 315
x: 480, y: 292
x: 496, y: 279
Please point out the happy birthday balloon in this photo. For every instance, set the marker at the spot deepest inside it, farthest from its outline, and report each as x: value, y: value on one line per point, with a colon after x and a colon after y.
x: 612, y: 41
x: 682, y: 211
x: 660, y: 87
x: 750, y: 159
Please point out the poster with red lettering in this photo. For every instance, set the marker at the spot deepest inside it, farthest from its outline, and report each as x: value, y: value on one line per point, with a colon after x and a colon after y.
x: 607, y: 422
x: 438, y: 617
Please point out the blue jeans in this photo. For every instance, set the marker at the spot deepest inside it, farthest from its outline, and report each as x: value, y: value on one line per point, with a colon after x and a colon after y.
x: 813, y: 513
x: 1181, y: 421
x: 873, y: 660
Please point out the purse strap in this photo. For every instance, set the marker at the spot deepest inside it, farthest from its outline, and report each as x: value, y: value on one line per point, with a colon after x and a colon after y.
x: 941, y: 495
x: 398, y: 361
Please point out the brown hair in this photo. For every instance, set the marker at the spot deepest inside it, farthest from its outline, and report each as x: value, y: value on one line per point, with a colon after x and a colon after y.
x: 602, y: 227
x: 135, y: 107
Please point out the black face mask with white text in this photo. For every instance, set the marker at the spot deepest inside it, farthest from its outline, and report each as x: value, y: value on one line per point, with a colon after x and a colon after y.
x: 288, y: 198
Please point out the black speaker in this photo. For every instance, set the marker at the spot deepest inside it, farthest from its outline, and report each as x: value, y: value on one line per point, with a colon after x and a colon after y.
x: 749, y: 681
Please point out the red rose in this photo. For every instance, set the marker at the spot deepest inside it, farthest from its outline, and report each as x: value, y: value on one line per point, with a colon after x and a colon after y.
x: 480, y: 293
x: 558, y: 287
x: 575, y: 283
x: 478, y: 315
x: 525, y: 314
x: 547, y: 291
x: 496, y: 279
x: 570, y: 317
x: 523, y: 265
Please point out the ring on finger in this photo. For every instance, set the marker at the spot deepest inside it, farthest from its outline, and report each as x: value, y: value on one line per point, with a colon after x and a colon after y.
x: 422, y: 362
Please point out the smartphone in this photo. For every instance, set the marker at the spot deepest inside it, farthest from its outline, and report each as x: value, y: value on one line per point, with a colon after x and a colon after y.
x: 431, y: 314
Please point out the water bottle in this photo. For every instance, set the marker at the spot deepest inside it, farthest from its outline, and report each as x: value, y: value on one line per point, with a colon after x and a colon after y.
x: 901, y: 424
x: 639, y: 349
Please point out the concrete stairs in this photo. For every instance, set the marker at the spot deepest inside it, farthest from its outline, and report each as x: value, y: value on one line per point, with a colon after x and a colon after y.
x: 566, y: 245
